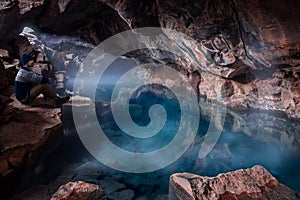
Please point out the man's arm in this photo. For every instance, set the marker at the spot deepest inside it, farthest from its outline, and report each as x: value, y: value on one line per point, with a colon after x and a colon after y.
x: 29, y: 76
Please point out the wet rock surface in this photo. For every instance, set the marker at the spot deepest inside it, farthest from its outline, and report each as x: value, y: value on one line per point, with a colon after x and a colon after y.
x: 254, y: 183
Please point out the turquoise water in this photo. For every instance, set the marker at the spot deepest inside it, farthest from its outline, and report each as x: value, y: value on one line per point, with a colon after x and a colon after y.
x: 247, y: 139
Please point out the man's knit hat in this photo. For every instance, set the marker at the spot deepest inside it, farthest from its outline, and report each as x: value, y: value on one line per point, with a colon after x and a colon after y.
x: 25, y: 58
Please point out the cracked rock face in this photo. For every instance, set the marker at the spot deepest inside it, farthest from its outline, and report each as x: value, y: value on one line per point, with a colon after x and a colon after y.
x: 254, y: 183
x: 251, y: 48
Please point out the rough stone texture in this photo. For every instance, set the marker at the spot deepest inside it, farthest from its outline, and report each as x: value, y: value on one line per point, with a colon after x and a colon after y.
x: 90, y: 20
x: 251, y: 48
x: 25, y: 131
x: 277, y: 93
x: 136, y: 13
x: 254, y: 183
x: 270, y: 31
x: 79, y: 190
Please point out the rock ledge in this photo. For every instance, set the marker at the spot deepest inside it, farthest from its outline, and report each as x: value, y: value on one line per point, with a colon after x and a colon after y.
x: 254, y: 183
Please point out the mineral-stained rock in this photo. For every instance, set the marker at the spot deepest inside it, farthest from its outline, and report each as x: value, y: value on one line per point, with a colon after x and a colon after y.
x: 270, y: 31
x: 254, y: 183
x: 252, y: 46
x: 79, y: 190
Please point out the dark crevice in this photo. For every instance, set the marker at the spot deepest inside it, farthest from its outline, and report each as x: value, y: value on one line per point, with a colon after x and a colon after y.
x: 234, y: 9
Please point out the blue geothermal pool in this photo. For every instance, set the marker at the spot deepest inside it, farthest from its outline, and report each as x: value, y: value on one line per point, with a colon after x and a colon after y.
x: 246, y: 139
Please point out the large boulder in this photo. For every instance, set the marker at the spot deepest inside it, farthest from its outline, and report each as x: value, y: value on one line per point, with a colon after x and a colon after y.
x: 254, y: 183
x: 25, y: 133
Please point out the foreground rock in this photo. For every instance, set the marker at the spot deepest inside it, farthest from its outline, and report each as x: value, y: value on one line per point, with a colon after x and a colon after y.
x: 79, y: 190
x: 24, y: 133
x: 254, y: 183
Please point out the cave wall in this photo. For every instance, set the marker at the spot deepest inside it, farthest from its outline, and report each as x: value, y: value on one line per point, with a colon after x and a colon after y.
x: 245, y: 53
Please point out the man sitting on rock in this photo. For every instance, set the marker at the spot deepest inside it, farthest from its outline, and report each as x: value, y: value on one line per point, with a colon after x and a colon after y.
x: 26, y: 92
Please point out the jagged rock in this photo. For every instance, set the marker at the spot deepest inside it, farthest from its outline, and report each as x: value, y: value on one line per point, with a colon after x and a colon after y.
x: 25, y: 131
x: 136, y: 13
x: 79, y: 190
x: 269, y: 38
x: 6, y: 4
x: 242, y: 92
x: 229, y: 39
x: 254, y: 183
x: 223, y: 88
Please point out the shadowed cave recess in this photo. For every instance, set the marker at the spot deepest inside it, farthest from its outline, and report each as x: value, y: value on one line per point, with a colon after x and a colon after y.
x: 239, y: 57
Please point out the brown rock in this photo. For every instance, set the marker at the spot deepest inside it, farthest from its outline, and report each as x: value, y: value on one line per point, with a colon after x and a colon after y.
x: 6, y: 110
x: 24, y: 132
x: 79, y: 190
x: 3, y: 53
x: 25, y: 5
x: 254, y: 183
x: 229, y: 39
x: 4, y: 168
x: 223, y: 88
x: 8, y: 91
x: 7, y: 77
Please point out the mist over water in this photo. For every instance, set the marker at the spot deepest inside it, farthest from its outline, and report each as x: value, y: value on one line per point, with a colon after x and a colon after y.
x: 247, y: 139
x: 235, y: 149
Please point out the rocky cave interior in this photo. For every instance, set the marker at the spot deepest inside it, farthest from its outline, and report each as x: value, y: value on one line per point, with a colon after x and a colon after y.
x: 242, y: 57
